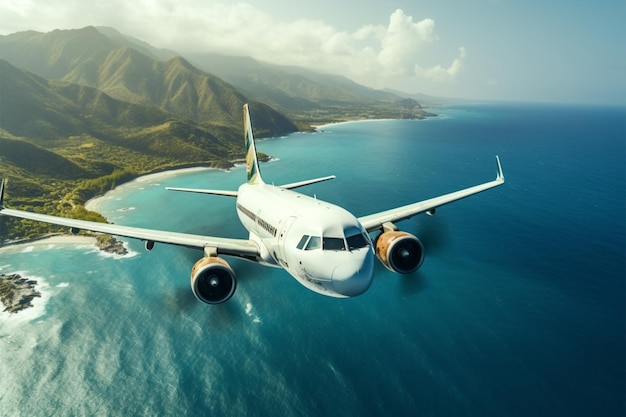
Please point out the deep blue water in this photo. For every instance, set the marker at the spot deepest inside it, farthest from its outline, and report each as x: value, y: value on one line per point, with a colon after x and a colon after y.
x: 518, y: 309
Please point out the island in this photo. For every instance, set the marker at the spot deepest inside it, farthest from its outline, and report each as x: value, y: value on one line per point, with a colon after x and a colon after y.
x: 16, y: 293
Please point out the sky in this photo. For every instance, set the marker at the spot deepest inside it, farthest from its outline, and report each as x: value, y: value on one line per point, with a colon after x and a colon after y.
x: 503, y: 50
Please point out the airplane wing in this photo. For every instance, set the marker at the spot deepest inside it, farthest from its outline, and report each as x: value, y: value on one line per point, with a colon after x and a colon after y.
x: 235, y: 247
x: 375, y: 221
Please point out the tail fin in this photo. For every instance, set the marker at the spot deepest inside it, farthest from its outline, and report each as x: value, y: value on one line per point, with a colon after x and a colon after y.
x: 252, y: 163
x: 2, y: 183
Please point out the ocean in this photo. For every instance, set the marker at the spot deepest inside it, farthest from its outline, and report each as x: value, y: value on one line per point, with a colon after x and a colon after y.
x: 518, y: 309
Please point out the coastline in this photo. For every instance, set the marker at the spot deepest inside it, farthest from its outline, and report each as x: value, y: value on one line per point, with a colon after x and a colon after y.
x: 384, y: 119
x: 47, y: 240
x: 345, y: 122
x: 93, y: 204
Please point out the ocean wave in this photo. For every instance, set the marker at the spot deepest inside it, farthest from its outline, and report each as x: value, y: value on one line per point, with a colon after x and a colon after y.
x: 249, y: 313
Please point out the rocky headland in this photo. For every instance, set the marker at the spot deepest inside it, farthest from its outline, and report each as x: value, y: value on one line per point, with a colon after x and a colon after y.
x: 110, y: 244
x: 16, y: 292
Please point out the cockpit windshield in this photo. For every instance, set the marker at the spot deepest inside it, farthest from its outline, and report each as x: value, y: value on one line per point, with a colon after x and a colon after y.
x: 355, y: 240
x: 314, y: 243
x: 334, y: 243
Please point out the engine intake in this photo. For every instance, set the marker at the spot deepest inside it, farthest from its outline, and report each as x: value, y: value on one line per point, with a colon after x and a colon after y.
x: 213, y: 280
x: 400, y: 252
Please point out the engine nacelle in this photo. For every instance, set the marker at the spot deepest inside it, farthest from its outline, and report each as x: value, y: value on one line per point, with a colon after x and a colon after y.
x: 400, y: 252
x: 213, y: 280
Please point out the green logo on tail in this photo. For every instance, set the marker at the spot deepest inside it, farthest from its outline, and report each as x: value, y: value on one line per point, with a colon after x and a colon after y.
x: 252, y: 164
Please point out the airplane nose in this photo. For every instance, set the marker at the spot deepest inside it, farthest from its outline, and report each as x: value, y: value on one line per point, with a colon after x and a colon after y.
x: 350, y: 281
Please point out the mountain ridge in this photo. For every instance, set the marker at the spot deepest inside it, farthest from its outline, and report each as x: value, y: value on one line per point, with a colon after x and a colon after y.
x: 128, y: 74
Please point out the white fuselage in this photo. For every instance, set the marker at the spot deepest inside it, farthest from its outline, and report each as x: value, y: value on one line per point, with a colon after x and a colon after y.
x: 322, y: 245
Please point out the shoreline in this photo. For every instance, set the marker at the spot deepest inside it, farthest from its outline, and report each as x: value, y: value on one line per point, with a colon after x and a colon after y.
x: 93, y: 204
x: 51, y: 239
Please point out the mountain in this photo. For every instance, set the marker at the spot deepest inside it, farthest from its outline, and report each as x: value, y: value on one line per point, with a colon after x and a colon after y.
x: 84, y: 133
x: 426, y: 99
x: 305, y: 95
x: 211, y: 90
x: 52, y: 55
x: 127, y: 70
x: 141, y: 46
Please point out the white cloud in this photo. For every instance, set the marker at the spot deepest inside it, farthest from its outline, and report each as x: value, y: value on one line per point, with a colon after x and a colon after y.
x: 441, y: 74
x: 373, y: 53
x: 403, y: 41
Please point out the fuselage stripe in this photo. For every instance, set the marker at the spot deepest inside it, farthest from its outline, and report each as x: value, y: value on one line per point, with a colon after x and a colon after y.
x: 258, y: 220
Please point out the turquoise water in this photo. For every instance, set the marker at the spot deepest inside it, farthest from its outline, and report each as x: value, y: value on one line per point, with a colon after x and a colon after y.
x: 518, y: 309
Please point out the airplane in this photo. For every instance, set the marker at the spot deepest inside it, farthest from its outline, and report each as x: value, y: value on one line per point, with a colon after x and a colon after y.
x: 323, y: 246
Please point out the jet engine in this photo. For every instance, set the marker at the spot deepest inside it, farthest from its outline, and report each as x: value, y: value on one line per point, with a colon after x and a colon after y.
x: 213, y: 280
x: 400, y: 252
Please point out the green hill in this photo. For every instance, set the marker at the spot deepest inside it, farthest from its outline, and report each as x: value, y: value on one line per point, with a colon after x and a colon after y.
x: 55, y: 136
x: 128, y: 71
x: 38, y: 161
x: 86, y: 125
x: 63, y: 143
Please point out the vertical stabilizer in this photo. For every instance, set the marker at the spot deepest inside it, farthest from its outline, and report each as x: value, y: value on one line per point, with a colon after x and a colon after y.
x: 2, y: 181
x: 252, y: 164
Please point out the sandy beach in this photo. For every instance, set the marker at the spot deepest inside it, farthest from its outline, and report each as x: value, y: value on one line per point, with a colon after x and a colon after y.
x: 48, y: 241
x: 94, y: 203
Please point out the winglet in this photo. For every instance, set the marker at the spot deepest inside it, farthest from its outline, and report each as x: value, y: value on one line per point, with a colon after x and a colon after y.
x: 500, y: 174
x: 252, y: 163
x: 2, y: 181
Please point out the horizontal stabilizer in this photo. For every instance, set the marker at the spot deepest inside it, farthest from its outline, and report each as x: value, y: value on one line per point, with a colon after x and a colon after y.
x: 307, y: 182
x: 200, y: 191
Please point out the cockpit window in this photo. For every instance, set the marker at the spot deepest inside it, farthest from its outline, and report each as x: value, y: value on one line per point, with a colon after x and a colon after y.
x: 334, y: 243
x: 302, y: 241
x: 357, y: 241
x: 314, y: 243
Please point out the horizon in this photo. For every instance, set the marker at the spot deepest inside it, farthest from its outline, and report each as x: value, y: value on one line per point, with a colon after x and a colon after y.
x: 544, y: 53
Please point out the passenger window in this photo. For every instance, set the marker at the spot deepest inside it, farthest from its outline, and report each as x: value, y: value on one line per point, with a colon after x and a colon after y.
x: 357, y: 241
x: 302, y: 241
x: 334, y: 243
x: 314, y: 243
